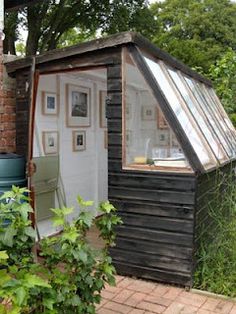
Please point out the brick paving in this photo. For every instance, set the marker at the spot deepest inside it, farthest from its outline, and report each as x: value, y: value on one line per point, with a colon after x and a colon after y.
x: 132, y: 296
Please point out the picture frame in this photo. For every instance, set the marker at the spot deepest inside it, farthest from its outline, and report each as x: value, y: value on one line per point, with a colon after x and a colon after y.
x: 49, y: 103
x: 79, y: 140
x: 148, y: 113
x: 102, y: 109
x: 105, y: 139
x: 78, y: 106
x: 161, y: 120
x: 50, y: 142
x: 164, y: 138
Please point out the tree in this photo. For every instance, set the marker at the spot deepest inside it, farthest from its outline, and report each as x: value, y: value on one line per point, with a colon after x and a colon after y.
x: 223, y: 75
x: 196, y: 32
x: 49, y: 21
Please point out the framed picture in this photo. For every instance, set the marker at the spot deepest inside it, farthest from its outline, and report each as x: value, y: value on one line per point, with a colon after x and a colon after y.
x: 148, y: 113
x: 49, y: 104
x: 102, y: 109
x: 50, y: 142
x: 105, y: 139
x: 78, y: 106
x: 79, y: 140
x: 161, y: 120
x: 164, y: 138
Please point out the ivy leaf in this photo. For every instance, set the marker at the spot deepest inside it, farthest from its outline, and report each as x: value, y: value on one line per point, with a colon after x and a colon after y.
x: 58, y: 221
x: 67, y: 210
x: 70, y: 235
x: 9, y: 235
x: 83, y: 203
x: 34, y: 280
x: 20, y: 295
x: 86, y: 218
x: 48, y: 303
x: 4, y: 277
x: 30, y: 232
x: 83, y: 256
x: 3, y: 255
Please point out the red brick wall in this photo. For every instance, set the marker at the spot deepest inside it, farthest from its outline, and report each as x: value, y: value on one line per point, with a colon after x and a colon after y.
x: 7, y: 109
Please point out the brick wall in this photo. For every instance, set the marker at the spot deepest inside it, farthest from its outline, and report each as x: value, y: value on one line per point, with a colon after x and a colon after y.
x: 7, y: 108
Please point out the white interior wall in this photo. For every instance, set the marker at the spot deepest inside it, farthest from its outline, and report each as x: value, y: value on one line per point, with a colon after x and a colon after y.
x: 82, y: 172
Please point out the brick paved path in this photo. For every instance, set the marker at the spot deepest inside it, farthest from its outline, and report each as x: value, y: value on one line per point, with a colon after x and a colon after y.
x: 133, y: 296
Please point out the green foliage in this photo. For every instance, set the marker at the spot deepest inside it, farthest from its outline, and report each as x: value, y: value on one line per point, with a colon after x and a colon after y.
x: 223, y: 75
x: 52, y: 24
x: 216, y: 257
x: 72, y: 273
x: 16, y: 233
x: 196, y: 32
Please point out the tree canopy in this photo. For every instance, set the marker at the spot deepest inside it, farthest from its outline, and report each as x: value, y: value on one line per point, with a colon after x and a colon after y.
x: 196, y: 32
x: 55, y: 22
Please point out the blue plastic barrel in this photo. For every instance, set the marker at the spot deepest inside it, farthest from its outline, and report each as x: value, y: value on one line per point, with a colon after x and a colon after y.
x: 12, y: 171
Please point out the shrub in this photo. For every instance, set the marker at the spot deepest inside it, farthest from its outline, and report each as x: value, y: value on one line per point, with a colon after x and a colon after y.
x: 72, y: 273
x: 216, y: 257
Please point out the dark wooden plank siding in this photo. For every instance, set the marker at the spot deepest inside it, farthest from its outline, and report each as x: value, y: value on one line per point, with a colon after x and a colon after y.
x: 157, y: 209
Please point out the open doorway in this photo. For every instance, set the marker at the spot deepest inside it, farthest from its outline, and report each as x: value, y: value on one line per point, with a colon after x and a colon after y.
x: 70, y: 142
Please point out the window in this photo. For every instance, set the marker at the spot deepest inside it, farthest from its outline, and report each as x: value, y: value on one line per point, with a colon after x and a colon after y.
x: 198, y: 115
x: 181, y: 111
x: 149, y: 142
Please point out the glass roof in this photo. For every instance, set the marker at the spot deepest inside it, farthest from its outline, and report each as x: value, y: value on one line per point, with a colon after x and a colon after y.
x: 198, y: 110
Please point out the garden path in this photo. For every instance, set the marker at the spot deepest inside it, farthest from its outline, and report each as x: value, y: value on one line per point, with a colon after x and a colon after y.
x: 132, y: 296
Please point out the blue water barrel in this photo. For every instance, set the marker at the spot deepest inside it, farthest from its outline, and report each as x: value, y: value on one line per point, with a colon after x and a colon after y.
x: 12, y: 171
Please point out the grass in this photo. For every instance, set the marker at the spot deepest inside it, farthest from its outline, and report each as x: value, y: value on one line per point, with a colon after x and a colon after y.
x: 216, y: 257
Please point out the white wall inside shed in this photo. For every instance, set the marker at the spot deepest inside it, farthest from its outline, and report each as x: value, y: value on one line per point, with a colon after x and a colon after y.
x: 82, y: 172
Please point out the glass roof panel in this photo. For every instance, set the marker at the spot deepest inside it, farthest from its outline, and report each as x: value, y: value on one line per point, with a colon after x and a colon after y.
x: 220, y: 121
x: 228, y: 125
x: 198, y: 115
x: 189, y: 126
x: 206, y: 108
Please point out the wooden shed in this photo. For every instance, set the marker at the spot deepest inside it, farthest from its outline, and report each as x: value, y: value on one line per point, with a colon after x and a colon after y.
x: 118, y: 118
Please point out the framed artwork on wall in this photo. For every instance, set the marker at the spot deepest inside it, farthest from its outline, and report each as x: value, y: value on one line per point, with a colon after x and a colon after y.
x: 161, y: 120
x: 148, y: 113
x: 164, y: 138
x: 102, y: 109
x: 79, y: 140
x: 49, y: 104
x: 50, y: 142
x: 78, y: 106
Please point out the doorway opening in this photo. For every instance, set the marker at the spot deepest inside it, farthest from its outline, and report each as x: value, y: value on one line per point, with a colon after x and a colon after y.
x: 69, y: 142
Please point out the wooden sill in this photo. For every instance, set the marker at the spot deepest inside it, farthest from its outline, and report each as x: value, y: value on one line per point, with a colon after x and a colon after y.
x: 147, y: 167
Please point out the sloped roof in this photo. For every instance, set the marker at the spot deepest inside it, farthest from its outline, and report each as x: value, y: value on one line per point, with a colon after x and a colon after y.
x: 12, y: 4
x: 104, y: 43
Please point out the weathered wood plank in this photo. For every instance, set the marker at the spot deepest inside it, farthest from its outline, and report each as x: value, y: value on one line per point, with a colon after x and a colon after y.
x: 125, y: 268
x: 155, y: 209
x: 145, y: 233
x: 151, y: 260
x: 157, y: 223
x: 154, y: 247
x: 152, y: 182
x: 151, y: 195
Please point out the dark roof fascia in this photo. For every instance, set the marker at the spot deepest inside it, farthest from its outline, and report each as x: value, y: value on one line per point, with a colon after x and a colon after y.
x: 10, y: 5
x: 103, y: 43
